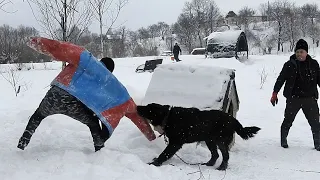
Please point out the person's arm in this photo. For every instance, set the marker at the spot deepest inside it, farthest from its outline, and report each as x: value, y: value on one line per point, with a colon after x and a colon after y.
x: 58, y: 50
x: 279, y: 83
x: 281, y: 79
x: 140, y: 122
x: 318, y: 73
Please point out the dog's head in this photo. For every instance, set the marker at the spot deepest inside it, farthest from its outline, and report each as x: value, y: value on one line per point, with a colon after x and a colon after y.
x: 155, y: 113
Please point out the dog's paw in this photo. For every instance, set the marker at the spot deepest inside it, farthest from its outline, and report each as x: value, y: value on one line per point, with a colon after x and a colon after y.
x: 222, y: 167
x: 155, y: 162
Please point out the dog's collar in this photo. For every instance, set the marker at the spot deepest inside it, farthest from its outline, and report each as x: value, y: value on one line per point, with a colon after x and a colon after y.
x: 165, y: 120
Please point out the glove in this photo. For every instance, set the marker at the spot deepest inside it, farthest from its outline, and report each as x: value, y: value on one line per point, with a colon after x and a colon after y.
x: 274, y: 99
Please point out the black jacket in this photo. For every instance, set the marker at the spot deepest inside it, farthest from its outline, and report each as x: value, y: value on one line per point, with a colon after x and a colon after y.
x: 289, y: 73
x: 176, y: 49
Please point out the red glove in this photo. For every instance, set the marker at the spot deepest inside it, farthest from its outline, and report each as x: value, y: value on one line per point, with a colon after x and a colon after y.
x: 274, y: 99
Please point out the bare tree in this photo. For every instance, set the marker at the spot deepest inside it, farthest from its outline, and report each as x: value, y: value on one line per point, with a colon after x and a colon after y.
x: 202, y: 16
x: 309, y: 12
x: 13, y: 78
x: 164, y: 29
x: 263, y: 77
x: 185, y: 30
x: 244, y: 15
x: 197, y: 10
x: 277, y: 12
x: 302, y: 22
x: 3, y: 3
x: 154, y: 30
x: 118, y: 44
x: 213, y: 14
x: 112, y: 10
x: 61, y: 18
x: 8, y: 44
x: 13, y: 48
x: 291, y: 28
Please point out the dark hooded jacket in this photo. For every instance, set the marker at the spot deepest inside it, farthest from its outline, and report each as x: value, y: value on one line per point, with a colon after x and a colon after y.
x: 300, y: 78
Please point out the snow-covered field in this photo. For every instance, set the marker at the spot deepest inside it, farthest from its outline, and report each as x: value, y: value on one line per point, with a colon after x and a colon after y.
x: 62, y: 148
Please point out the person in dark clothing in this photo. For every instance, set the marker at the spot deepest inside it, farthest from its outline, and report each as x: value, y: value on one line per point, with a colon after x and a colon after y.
x: 85, y: 90
x: 301, y: 75
x: 176, y: 51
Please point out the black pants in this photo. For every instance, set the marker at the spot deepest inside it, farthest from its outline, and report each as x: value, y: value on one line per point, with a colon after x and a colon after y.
x: 58, y: 101
x: 176, y: 57
x: 310, y: 109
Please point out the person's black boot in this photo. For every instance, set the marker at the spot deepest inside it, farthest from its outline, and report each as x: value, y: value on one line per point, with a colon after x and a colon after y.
x: 97, y: 148
x: 316, y: 140
x: 24, y: 140
x: 284, y: 135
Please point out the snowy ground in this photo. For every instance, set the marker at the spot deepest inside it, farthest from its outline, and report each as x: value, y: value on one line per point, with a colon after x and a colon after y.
x: 62, y: 148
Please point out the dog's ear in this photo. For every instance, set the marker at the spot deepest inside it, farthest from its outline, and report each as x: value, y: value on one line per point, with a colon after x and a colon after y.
x: 166, y: 107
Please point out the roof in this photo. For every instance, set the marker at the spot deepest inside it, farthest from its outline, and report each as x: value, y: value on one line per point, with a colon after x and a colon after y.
x: 229, y: 37
x: 184, y: 85
x: 231, y: 14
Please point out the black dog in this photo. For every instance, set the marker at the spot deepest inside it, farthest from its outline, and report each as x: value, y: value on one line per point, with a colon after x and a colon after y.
x: 188, y: 125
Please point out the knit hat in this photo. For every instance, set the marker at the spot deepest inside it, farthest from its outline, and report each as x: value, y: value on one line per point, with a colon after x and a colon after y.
x: 301, y: 44
x: 109, y: 63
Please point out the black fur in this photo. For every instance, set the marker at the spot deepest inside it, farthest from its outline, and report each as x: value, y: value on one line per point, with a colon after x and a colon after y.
x: 188, y: 125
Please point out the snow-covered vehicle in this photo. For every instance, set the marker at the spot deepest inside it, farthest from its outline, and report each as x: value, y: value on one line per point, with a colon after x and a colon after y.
x: 198, y: 51
x: 166, y: 53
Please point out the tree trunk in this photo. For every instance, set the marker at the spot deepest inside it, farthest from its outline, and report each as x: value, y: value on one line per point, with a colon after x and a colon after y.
x: 101, y: 36
x: 200, y: 39
x: 64, y: 27
x: 279, y: 35
x: 292, y: 34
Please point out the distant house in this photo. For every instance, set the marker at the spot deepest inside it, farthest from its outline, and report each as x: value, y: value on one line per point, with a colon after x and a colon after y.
x: 233, y: 19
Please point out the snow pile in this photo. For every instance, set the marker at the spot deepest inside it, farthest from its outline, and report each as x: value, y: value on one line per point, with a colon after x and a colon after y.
x: 184, y: 85
x: 62, y: 148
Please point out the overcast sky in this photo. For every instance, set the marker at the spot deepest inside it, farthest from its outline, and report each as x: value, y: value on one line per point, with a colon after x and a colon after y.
x: 137, y: 13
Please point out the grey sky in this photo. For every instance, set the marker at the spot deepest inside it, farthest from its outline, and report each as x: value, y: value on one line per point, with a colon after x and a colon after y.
x: 136, y: 14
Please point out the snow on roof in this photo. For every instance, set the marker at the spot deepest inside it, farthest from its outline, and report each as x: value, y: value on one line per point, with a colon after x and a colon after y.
x: 230, y: 36
x: 199, y: 48
x: 183, y: 85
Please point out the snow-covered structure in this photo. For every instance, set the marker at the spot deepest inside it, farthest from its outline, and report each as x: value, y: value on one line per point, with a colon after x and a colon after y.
x: 226, y: 44
x: 202, y: 87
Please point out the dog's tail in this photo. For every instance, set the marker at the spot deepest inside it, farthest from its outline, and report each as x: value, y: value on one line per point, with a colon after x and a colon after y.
x: 247, y: 132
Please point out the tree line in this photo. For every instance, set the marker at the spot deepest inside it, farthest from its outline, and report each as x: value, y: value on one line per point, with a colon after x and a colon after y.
x: 68, y: 20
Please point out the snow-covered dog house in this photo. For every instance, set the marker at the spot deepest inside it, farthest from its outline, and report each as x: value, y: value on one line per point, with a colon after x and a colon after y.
x: 228, y: 43
x: 203, y: 87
